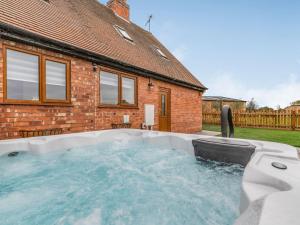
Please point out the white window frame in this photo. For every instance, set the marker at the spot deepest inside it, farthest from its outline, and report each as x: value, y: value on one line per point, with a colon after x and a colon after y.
x: 161, y: 53
x: 123, y: 33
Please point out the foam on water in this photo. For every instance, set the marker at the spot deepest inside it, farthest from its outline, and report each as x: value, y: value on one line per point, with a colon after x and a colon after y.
x: 117, y: 183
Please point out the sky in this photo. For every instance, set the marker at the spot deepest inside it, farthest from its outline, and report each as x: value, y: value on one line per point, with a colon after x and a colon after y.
x: 237, y: 48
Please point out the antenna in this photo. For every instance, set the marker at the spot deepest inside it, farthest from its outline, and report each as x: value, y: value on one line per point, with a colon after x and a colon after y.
x: 149, y: 22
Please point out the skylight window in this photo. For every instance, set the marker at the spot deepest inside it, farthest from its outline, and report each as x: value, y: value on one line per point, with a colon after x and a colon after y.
x: 124, y: 33
x: 161, y: 53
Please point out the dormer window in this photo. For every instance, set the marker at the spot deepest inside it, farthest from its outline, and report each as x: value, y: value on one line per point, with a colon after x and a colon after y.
x: 161, y: 53
x: 123, y: 33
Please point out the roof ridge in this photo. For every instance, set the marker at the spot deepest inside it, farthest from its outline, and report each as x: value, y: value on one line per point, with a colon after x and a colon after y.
x: 218, y: 97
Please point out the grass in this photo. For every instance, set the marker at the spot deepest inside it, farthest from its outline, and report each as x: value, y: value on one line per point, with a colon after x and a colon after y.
x: 281, y: 136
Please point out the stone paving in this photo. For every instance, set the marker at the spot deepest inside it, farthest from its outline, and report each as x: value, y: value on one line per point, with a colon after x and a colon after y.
x: 209, y: 133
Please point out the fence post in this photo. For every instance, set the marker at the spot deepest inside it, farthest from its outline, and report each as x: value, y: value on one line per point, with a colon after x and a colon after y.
x: 285, y: 120
x: 293, y: 120
x: 237, y: 118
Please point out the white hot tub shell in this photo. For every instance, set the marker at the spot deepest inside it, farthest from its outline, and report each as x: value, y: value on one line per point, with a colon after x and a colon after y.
x: 269, y: 196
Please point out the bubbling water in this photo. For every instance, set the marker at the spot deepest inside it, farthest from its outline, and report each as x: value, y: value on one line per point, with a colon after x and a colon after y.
x: 117, y: 183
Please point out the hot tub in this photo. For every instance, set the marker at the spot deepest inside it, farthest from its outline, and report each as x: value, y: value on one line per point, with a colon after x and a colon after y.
x: 143, y: 177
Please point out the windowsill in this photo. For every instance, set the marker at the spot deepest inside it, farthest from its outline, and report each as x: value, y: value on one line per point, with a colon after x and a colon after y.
x: 118, y: 107
x: 38, y: 104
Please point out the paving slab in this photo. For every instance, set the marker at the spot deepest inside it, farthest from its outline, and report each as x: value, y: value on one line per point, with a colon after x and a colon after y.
x: 209, y: 133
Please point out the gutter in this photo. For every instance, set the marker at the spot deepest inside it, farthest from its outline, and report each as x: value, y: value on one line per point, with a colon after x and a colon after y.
x: 19, y: 35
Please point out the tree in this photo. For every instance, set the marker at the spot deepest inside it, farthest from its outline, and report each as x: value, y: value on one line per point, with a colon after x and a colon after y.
x: 252, y: 105
x: 278, y: 107
x: 266, y: 108
x: 296, y: 102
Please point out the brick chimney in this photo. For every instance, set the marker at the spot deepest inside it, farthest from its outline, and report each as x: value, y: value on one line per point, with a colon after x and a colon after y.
x: 120, y: 7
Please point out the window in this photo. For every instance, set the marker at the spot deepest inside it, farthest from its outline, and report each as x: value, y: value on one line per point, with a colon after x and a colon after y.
x: 161, y: 53
x: 163, y: 105
x: 124, y: 33
x: 56, y: 80
x: 117, y: 89
x: 128, y: 90
x: 109, y: 86
x: 35, y: 78
x: 22, y: 76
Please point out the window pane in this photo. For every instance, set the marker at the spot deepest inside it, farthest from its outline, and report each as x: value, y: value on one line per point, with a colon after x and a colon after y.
x: 161, y: 53
x: 22, y: 76
x: 56, y: 80
x: 109, y: 90
x: 163, y: 105
x: 128, y: 91
x: 124, y: 33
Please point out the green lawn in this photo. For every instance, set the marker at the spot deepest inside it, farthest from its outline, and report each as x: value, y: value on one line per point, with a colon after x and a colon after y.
x: 282, y: 136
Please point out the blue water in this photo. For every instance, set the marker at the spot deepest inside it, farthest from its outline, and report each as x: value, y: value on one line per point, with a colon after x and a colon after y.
x: 117, y: 184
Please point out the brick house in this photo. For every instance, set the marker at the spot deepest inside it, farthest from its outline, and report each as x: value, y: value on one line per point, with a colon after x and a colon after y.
x: 293, y: 107
x: 81, y: 66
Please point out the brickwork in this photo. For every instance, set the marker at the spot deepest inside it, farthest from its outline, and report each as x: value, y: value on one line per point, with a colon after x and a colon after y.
x: 120, y: 7
x: 85, y: 115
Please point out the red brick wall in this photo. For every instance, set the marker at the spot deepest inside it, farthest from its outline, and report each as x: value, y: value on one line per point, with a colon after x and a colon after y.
x: 84, y: 113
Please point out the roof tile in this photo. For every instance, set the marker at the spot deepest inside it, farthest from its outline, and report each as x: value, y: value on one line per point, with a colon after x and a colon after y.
x: 89, y: 25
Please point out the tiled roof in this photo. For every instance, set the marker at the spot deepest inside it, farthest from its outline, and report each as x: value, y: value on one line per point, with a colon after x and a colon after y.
x: 89, y: 25
x: 221, y: 98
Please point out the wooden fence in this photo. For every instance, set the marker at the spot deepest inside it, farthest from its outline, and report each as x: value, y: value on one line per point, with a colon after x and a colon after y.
x: 273, y: 119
